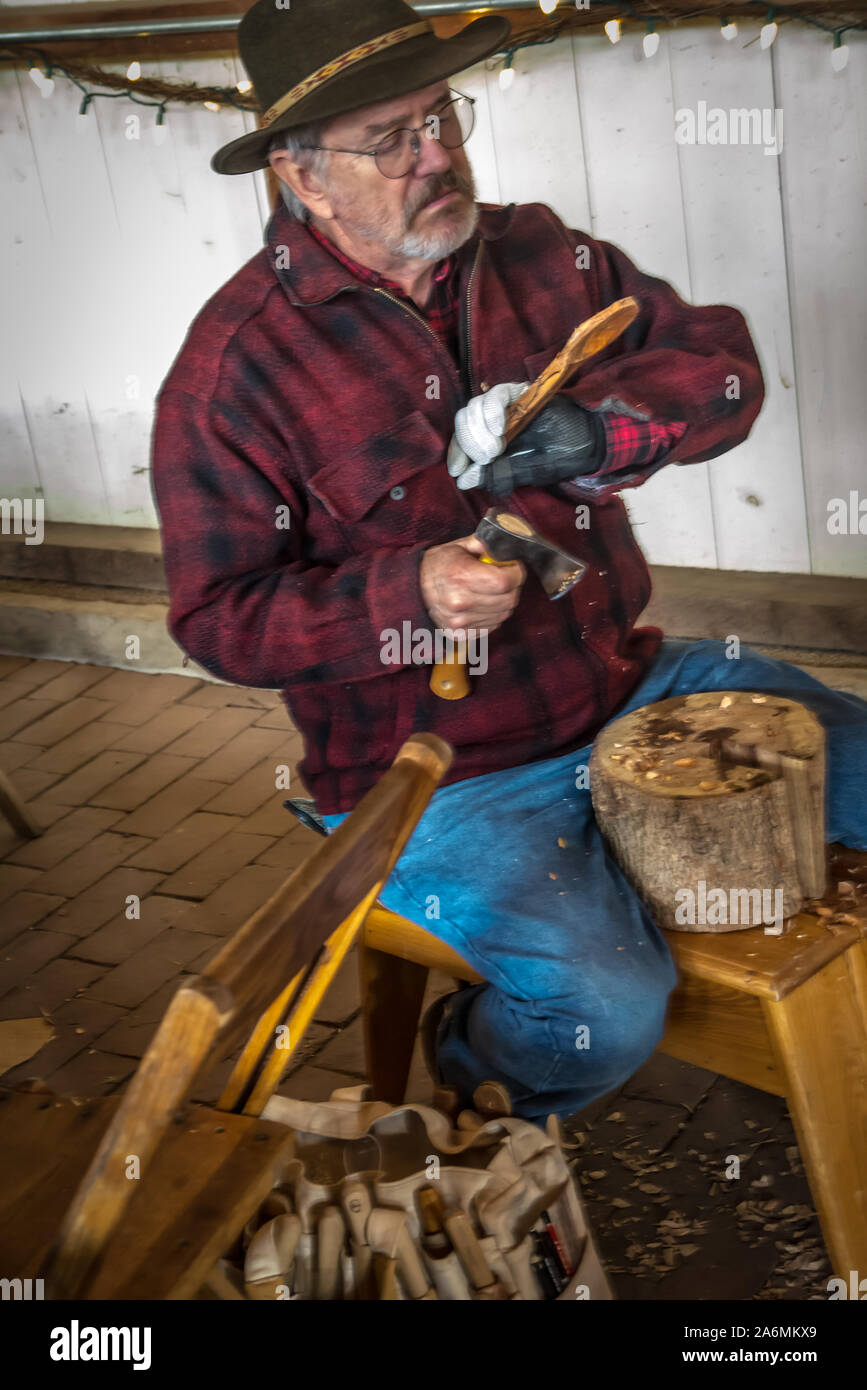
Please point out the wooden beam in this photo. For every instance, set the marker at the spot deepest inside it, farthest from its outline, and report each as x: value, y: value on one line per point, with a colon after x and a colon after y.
x: 224, y: 43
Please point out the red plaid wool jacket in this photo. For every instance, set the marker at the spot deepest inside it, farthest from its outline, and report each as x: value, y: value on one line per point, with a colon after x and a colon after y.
x: 298, y: 466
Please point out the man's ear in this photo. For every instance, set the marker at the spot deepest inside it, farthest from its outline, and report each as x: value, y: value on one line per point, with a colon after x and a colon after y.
x: 303, y: 183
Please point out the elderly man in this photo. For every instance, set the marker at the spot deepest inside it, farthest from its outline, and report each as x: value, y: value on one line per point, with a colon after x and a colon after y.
x: 314, y: 503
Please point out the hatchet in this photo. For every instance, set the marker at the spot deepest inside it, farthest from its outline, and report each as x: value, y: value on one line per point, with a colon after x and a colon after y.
x: 507, y: 537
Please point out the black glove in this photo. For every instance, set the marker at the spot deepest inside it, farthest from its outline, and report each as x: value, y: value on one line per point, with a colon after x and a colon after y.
x: 564, y: 441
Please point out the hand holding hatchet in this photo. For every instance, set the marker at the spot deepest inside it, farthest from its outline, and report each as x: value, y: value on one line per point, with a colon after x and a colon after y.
x: 564, y: 442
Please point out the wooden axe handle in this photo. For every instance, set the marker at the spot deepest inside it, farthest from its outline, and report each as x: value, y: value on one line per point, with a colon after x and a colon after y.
x: 589, y: 337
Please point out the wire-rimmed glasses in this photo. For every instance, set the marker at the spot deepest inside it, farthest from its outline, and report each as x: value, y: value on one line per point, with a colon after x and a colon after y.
x: 396, y: 154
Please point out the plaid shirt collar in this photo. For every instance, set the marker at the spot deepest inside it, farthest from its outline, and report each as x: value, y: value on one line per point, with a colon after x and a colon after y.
x: 315, y: 271
x: 442, y: 309
x: 373, y: 277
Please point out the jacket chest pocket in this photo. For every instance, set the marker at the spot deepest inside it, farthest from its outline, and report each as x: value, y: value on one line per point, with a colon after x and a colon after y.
x: 393, y: 490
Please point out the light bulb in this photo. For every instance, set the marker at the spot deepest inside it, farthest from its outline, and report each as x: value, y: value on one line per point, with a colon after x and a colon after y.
x: 547, y: 6
x: 211, y: 105
x: 81, y: 123
x: 244, y: 86
x: 839, y: 56
x: 612, y: 29
x: 650, y: 44
x: 40, y: 80
x: 160, y: 134
x: 134, y: 70
x: 729, y: 30
x: 768, y: 34
x: 507, y: 77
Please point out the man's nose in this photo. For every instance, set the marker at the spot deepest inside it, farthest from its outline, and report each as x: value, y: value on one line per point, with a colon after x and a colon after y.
x: 432, y: 158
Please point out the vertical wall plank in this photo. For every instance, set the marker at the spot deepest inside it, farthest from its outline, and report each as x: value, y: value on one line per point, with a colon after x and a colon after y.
x: 537, y: 133
x: 53, y: 308
x: 24, y: 239
x: 475, y: 82
x: 825, y: 188
x: 635, y: 196
x: 731, y: 199
x: 184, y: 231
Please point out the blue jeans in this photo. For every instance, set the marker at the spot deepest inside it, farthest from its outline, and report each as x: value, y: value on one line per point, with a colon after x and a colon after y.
x: 577, y: 973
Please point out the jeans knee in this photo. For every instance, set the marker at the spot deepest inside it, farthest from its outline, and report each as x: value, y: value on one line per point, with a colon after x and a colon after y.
x: 622, y: 1037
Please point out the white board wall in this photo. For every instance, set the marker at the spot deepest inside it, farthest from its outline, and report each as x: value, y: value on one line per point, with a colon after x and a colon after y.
x: 111, y: 244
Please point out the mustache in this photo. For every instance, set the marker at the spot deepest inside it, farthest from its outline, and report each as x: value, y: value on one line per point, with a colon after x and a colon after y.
x: 436, y: 187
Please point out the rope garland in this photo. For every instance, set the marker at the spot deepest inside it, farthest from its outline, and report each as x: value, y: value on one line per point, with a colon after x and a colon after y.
x: 826, y: 16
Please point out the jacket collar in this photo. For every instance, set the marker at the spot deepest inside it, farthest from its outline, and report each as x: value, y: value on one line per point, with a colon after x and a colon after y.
x: 313, y: 275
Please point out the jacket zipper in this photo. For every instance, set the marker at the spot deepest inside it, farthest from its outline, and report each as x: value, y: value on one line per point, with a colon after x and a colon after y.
x: 467, y: 357
x: 401, y: 304
x: 456, y: 376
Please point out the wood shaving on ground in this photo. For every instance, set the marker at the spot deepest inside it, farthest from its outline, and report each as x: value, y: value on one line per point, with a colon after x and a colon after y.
x: 790, y: 1229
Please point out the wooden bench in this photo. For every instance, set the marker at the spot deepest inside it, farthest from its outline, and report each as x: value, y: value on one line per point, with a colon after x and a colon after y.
x: 787, y: 1014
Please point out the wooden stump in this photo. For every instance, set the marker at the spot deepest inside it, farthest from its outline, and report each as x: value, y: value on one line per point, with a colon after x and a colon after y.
x: 714, y: 807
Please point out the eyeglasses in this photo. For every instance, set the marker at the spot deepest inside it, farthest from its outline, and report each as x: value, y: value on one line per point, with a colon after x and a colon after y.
x: 397, y: 153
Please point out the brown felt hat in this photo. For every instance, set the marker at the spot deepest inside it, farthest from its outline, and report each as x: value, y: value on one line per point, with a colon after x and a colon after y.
x: 319, y: 58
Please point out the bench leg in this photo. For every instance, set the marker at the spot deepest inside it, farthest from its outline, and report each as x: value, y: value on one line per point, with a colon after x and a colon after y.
x: 819, y: 1033
x: 392, y: 991
x: 15, y: 811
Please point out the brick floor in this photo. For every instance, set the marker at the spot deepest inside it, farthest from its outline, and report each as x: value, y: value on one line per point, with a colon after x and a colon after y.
x: 21, y: 712
x: 215, y: 864
x: 25, y: 910
x: 84, y: 785
x: 72, y: 752
x: 164, y: 831
x: 66, y: 719
x: 150, y: 788
x: 76, y: 830
x: 142, y: 973
x: 83, y: 915
x: 188, y: 838
x: 14, y: 755
x: 78, y: 1024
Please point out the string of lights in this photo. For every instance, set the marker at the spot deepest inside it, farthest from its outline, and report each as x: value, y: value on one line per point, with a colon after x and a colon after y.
x: 613, y: 29
x: 158, y: 94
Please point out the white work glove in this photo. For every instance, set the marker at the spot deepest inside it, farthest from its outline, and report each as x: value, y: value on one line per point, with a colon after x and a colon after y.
x: 479, y: 429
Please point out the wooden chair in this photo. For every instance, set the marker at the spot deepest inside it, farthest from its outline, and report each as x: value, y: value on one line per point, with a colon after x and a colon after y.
x: 787, y: 1014
x: 134, y: 1199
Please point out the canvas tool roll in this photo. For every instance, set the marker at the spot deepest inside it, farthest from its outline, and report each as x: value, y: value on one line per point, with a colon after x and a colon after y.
x: 392, y: 1202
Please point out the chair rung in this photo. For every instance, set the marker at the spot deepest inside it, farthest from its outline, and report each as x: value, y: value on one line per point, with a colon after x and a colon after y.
x: 398, y: 936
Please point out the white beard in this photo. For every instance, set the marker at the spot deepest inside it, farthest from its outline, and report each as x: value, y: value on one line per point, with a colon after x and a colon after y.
x: 433, y: 245
x: 436, y: 244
